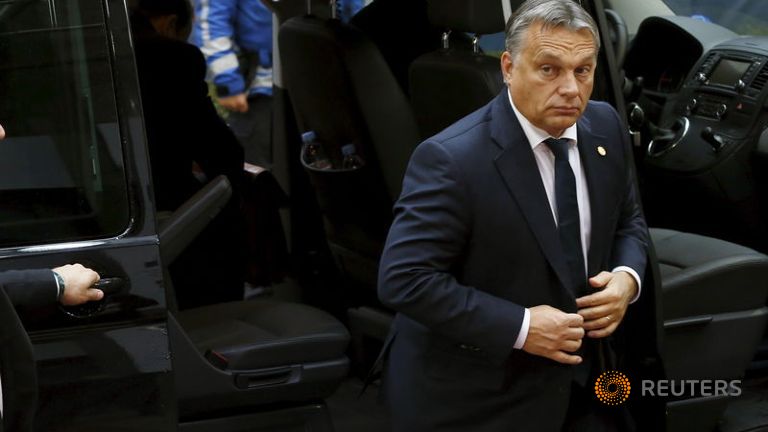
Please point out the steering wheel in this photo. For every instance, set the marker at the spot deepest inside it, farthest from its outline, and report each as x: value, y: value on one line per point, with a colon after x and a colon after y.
x: 619, y: 35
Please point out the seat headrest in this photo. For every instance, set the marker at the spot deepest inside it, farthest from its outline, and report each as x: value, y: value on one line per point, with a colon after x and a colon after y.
x: 472, y: 16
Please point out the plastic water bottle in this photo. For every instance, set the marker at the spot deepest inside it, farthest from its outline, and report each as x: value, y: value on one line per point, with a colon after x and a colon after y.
x: 314, y: 154
x: 351, y: 159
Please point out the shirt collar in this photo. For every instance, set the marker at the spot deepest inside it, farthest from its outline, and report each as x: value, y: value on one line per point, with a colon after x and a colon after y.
x: 536, y: 135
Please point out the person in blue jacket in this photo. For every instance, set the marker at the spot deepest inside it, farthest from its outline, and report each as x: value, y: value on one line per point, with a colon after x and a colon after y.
x: 236, y: 39
x: 189, y: 144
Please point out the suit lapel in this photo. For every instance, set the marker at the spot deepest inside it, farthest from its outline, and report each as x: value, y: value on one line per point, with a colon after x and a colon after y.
x: 517, y: 167
x: 595, y: 170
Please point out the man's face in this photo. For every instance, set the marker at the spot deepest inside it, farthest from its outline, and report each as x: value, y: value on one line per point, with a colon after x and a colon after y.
x: 552, y: 77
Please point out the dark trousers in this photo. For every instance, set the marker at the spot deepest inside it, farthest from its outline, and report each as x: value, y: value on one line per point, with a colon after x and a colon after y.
x: 253, y: 130
x: 587, y: 414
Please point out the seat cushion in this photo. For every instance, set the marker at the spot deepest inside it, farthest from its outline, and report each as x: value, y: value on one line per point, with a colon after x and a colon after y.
x: 678, y: 250
x: 703, y: 275
x: 263, y: 333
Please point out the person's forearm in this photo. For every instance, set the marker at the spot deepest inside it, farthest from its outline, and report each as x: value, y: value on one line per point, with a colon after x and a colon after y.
x: 29, y: 288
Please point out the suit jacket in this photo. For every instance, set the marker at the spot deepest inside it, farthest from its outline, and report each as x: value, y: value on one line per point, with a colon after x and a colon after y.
x: 20, y: 289
x: 181, y: 121
x: 472, y: 244
x: 29, y: 288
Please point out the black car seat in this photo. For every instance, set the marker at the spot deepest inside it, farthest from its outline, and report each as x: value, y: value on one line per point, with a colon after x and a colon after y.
x: 715, y: 314
x: 456, y: 69
x: 342, y: 89
x: 415, y: 34
x: 238, y: 357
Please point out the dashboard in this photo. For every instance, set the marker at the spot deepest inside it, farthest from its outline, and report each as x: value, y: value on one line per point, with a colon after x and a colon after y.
x: 710, y: 82
x: 666, y: 49
x: 728, y: 87
x: 699, y: 112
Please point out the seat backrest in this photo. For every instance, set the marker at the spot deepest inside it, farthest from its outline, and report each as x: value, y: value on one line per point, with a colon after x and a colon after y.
x: 413, y: 36
x: 341, y: 88
x: 437, y: 78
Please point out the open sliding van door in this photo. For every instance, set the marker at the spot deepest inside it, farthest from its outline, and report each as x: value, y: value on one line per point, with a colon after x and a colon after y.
x: 75, y: 187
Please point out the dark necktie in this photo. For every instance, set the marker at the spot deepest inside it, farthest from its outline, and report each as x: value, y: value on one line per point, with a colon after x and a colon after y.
x: 569, y: 230
x: 568, y: 225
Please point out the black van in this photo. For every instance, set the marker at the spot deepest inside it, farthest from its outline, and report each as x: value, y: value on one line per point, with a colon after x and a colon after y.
x: 75, y: 186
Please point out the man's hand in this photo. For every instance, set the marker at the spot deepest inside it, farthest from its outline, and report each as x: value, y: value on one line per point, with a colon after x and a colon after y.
x: 78, y: 283
x: 236, y: 103
x: 604, y: 310
x: 554, y: 334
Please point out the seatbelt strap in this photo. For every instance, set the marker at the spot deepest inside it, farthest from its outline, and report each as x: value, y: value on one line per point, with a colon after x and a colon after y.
x: 507, y: 9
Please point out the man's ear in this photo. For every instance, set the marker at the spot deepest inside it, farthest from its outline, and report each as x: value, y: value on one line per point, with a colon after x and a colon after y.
x: 172, y: 25
x: 507, y: 65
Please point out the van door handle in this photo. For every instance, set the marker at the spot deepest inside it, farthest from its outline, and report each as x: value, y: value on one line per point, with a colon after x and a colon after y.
x: 110, y: 285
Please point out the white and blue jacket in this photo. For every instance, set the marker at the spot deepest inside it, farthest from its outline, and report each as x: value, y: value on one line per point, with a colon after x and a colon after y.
x: 229, y: 30
x: 226, y: 29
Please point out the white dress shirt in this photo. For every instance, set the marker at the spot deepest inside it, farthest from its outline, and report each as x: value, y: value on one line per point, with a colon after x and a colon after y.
x: 545, y: 161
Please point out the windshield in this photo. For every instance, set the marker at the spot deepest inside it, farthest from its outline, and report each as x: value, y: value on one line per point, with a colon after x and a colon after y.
x: 745, y: 17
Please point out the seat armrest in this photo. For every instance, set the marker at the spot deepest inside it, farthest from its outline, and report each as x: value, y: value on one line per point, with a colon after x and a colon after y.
x: 177, y: 231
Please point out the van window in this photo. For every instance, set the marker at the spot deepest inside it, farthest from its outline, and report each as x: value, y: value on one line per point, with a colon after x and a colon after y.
x: 745, y: 17
x: 61, y: 163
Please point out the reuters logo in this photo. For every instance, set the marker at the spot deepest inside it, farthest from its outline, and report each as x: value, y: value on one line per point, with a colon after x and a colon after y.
x: 612, y: 388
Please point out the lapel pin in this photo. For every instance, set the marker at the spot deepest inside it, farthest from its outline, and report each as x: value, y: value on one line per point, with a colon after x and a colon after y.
x: 601, y: 150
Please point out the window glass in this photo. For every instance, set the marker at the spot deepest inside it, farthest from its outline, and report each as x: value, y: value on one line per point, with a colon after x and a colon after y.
x: 746, y: 17
x: 61, y: 163
x: 492, y: 44
x: 634, y: 12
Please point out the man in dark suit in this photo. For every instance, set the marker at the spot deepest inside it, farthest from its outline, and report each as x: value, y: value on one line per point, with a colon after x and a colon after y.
x: 189, y: 144
x: 517, y: 247
x: 69, y: 285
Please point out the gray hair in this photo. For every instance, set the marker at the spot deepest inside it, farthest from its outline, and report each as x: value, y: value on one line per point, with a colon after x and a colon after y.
x: 551, y: 13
